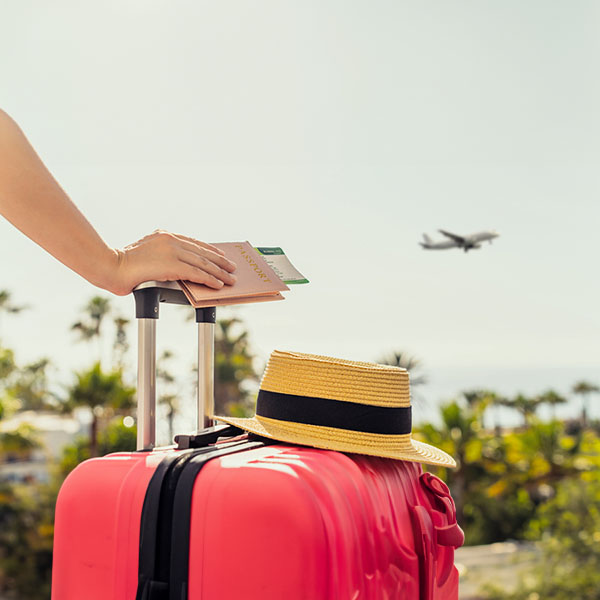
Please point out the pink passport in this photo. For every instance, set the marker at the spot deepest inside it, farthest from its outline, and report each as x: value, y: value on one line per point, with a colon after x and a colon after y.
x: 256, y: 281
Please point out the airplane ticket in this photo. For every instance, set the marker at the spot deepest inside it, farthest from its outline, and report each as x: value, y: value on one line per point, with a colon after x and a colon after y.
x: 280, y: 263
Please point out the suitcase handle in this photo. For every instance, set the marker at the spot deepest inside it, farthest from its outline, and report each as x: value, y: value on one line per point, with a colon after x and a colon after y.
x: 209, y: 436
x: 148, y: 297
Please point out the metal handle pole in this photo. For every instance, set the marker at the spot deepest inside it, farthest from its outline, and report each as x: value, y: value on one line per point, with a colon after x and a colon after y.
x: 148, y: 297
x: 206, y: 369
x: 146, y: 384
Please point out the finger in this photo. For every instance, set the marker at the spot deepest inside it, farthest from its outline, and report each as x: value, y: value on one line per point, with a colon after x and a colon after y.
x: 196, y: 275
x: 199, y: 243
x: 217, y: 259
x: 206, y: 265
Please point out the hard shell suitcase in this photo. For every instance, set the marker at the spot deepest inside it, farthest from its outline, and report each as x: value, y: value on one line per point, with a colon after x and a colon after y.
x: 245, y: 519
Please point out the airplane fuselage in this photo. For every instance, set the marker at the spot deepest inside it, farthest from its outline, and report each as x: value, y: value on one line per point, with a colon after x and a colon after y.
x: 466, y: 242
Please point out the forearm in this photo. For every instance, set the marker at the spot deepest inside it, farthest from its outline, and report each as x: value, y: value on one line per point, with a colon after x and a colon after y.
x: 32, y: 201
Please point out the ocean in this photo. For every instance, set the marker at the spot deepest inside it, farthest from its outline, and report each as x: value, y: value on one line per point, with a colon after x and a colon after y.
x: 446, y: 383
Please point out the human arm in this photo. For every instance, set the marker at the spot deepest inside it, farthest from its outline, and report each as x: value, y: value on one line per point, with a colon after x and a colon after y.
x: 32, y: 200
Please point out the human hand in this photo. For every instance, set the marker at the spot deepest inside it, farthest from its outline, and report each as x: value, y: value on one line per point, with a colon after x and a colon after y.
x: 164, y: 256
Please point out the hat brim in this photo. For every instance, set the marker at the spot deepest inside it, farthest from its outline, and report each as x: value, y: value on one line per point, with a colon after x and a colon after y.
x: 399, y: 447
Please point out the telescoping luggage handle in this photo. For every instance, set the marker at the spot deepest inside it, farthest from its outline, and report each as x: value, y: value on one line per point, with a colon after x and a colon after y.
x: 148, y: 297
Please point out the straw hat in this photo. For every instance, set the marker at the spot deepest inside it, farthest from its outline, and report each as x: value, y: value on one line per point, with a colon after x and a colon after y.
x: 338, y: 405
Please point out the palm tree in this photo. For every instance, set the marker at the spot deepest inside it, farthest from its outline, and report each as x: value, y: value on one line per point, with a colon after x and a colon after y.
x: 7, y: 365
x: 405, y: 361
x: 101, y: 393
x: 121, y: 344
x: 30, y: 387
x: 7, y: 306
x: 89, y: 327
x: 478, y: 401
x: 234, y: 368
x: 585, y: 389
x: 19, y: 442
x: 458, y: 435
x: 8, y: 371
x: 525, y: 405
x: 552, y: 398
x: 169, y: 398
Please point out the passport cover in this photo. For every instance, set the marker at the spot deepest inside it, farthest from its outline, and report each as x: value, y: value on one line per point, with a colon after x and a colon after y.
x: 256, y: 281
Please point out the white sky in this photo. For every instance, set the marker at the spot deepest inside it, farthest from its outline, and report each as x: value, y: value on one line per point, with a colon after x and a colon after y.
x: 340, y: 131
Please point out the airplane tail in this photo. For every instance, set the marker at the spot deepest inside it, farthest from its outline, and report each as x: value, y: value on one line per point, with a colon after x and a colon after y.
x: 427, y: 239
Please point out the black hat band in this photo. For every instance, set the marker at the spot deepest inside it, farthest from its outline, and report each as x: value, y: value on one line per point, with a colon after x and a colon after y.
x: 325, y: 412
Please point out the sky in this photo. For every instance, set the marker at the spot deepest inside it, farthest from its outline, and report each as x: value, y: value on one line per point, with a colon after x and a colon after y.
x: 340, y: 131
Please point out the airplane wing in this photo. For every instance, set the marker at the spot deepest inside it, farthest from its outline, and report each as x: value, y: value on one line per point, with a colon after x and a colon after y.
x: 453, y: 236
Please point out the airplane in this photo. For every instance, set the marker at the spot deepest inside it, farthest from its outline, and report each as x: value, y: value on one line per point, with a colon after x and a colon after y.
x: 466, y: 242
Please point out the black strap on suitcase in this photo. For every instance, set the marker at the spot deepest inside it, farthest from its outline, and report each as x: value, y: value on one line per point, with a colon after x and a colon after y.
x: 166, y: 516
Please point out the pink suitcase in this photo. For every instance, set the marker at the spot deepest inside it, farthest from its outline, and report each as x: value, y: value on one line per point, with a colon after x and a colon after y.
x: 247, y: 519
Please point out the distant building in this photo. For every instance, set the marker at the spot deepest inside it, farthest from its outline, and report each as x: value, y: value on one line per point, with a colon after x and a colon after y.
x: 54, y: 432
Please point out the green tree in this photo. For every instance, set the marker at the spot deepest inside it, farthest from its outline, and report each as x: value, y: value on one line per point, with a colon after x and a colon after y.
x: 523, y: 404
x: 89, y: 327
x: 569, y: 528
x: 169, y: 396
x: 121, y: 343
x: 30, y: 387
x: 500, y: 479
x: 459, y: 436
x: 8, y: 367
x: 235, y: 373
x: 117, y: 437
x: 103, y: 393
x: 7, y: 306
x: 26, y: 536
x: 6, y: 303
x: 551, y: 398
x: 19, y: 442
x: 26, y: 513
x: 234, y: 368
x: 585, y: 389
x: 540, y: 457
x: 95, y: 311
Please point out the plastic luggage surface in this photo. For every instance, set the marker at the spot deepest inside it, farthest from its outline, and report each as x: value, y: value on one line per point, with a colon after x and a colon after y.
x: 275, y: 522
